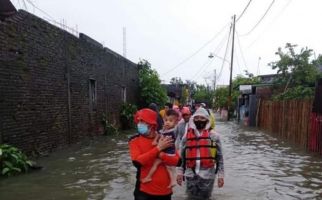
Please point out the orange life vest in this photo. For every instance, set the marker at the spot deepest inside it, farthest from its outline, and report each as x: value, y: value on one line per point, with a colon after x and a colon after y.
x: 206, y: 146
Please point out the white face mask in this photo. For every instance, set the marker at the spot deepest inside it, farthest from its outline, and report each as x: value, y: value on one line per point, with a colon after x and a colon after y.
x: 143, y: 128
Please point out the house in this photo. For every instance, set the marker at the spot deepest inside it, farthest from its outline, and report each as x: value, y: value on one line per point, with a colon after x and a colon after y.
x: 175, y: 92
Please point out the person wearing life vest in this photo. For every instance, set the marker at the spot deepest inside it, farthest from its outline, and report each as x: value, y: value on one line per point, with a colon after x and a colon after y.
x: 144, y: 152
x: 202, y: 157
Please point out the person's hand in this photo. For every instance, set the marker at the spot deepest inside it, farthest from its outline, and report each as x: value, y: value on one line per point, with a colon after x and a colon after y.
x: 164, y: 142
x: 179, y: 179
x: 220, y: 182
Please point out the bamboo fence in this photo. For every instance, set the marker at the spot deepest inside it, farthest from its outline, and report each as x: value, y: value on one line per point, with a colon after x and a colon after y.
x: 289, y: 120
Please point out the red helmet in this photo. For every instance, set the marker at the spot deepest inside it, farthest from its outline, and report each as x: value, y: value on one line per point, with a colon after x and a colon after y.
x: 147, y: 115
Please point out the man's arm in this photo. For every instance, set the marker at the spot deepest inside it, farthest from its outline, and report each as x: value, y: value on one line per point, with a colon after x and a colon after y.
x: 170, y: 160
x: 219, y: 157
x: 142, y: 158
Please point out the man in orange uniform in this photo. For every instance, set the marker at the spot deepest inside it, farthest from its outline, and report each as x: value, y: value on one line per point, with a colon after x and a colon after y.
x: 143, y: 154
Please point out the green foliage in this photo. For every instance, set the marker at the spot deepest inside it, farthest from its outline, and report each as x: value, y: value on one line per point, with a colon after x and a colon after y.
x: 12, y: 160
x: 221, y: 97
x: 204, y: 94
x: 221, y: 94
x: 126, y: 114
x: 150, y: 88
x: 295, y: 68
x: 176, y: 80
x: 297, y: 72
x: 297, y: 92
x: 109, y: 128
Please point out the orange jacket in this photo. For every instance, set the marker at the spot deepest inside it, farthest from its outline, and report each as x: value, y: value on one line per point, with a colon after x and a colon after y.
x: 143, y: 154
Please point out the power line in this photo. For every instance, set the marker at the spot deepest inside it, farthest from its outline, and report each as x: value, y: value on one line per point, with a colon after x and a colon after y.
x: 275, y: 18
x: 205, y: 66
x: 241, y: 51
x: 202, y: 69
x: 31, y: 3
x: 52, y: 19
x: 237, y: 62
x: 223, y: 63
x: 243, y: 11
x: 196, y: 52
x: 269, y: 7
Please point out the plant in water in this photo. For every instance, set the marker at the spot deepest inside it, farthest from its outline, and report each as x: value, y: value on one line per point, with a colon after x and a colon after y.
x: 109, y: 128
x: 12, y: 160
x: 126, y: 114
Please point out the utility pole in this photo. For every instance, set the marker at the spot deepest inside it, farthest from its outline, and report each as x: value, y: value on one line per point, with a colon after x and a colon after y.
x: 231, y: 66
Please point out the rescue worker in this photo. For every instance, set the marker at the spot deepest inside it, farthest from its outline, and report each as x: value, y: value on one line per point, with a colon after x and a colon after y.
x: 143, y: 154
x: 202, y: 157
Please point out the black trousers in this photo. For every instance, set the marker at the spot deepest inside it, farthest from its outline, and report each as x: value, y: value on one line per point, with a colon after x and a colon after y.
x: 199, y: 188
x: 138, y: 195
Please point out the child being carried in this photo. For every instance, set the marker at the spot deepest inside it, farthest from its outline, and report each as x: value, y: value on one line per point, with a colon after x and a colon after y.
x: 170, y: 122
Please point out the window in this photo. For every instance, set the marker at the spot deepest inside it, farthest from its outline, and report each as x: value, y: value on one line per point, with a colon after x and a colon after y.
x: 124, y: 94
x: 92, y: 95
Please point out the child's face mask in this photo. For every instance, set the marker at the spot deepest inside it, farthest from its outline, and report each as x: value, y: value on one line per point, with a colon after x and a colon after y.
x: 143, y: 128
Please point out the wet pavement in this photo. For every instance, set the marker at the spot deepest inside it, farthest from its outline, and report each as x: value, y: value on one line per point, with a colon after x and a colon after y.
x: 257, y: 166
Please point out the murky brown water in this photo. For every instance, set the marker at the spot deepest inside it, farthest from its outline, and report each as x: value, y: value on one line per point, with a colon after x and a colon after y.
x: 257, y: 166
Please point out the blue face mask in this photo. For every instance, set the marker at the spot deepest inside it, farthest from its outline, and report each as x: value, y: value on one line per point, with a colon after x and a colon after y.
x: 143, y: 128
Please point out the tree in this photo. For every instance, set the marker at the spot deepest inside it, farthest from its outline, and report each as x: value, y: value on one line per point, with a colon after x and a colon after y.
x: 297, y: 72
x: 221, y: 94
x: 221, y: 97
x: 176, y: 81
x: 150, y: 88
x: 203, y: 94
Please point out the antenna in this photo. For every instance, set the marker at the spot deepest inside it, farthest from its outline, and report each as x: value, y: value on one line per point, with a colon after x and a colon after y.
x: 259, y: 59
x: 124, y: 42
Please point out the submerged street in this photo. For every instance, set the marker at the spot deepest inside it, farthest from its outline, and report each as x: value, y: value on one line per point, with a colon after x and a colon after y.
x: 257, y: 166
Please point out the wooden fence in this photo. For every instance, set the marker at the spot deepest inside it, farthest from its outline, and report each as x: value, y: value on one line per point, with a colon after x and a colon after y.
x: 289, y: 120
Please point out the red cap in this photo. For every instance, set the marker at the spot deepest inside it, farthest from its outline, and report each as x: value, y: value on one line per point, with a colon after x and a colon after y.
x: 185, y: 110
x: 147, y: 115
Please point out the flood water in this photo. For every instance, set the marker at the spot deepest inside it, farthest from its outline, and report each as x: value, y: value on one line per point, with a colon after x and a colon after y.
x: 257, y: 166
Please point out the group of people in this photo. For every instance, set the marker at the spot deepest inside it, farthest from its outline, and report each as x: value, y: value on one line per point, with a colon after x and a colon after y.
x: 175, y: 146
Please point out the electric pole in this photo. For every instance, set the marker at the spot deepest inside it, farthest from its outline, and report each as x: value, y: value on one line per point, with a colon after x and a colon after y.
x: 231, y: 66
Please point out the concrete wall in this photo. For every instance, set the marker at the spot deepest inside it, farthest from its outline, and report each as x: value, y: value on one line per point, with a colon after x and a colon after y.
x: 45, y: 76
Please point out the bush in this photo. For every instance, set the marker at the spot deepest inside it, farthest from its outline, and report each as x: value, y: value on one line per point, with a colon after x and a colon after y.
x: 109, y: 128
x: 126, y: 114
x: 299, y: 92
x: 12, y: 160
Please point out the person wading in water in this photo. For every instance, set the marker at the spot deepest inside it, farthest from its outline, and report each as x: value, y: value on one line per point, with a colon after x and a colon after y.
x: 202, y: 157
x: 144, y: 153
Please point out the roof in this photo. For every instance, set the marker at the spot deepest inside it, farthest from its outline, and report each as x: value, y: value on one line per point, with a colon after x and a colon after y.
x: 174, y: 90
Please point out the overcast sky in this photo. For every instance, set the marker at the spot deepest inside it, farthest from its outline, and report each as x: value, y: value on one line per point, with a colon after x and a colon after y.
x: 166, y: 32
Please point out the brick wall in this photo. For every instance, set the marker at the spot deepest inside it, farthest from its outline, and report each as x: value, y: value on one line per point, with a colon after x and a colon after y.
x: 45, y: 76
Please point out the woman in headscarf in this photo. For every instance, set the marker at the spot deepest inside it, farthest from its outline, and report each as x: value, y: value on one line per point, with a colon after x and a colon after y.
x: 202, y: 157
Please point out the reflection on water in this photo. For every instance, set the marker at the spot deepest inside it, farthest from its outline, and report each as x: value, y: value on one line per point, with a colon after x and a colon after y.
x: 257, y: 166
